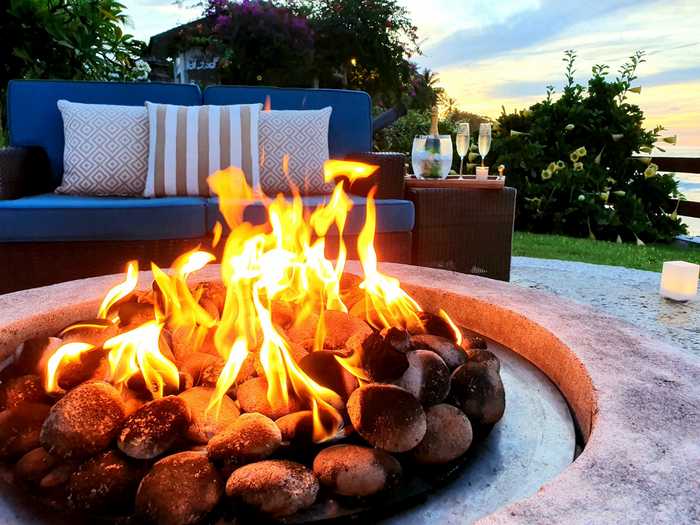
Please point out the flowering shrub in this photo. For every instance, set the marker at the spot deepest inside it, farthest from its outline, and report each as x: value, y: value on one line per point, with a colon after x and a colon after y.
x: 259, y: 43
x: 575, y: 162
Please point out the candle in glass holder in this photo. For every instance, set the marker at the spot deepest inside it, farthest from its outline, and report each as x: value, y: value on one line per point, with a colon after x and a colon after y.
x: 679, y: 280
x: 482, y: 172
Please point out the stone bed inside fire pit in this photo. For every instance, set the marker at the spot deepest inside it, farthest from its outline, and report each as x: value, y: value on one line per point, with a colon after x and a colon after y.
x: 641, y: 447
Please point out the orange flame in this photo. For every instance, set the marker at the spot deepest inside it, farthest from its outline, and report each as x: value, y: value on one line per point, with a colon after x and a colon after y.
x: 386, y: 304
x: 138, y: 351
x: 455, y: 329
x: 67, y: 353
x: 350, y: 169
x: 282, y: 262
x: 121, y: 290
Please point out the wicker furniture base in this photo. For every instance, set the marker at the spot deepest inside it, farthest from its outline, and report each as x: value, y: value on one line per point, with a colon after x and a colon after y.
x: 462, y: 229
x: 29, y: 265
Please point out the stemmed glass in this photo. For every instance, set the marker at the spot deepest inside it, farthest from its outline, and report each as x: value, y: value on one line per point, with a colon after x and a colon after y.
x: 462, y: 141
x: 484, y: 140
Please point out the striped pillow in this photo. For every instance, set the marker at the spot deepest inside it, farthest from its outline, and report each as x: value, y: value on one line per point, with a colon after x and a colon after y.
x: 189, y: 143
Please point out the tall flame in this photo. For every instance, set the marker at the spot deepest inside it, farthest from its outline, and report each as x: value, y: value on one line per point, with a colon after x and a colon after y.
x: 278, y: 265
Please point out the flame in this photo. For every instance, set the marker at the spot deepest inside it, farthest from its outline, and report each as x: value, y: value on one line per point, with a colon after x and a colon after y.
x: 138, y: 351
x: 217, y: 231
x: 386, y: 304
x: 268, y: 103
x: 180, y: 305
x: 281, y: 264
x: 67, y: 353
x: 352, y: 170
x: 455, y: 329
x: 121, y: 290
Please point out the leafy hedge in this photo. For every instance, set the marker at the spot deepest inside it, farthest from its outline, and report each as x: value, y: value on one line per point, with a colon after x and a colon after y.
x: 575, y: 162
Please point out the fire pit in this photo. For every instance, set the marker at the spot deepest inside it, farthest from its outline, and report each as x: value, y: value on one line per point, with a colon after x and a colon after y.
x: 285, y: 389
x: 309, y: 408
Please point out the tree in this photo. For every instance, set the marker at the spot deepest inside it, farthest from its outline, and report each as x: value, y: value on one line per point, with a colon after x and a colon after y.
x: 66, y: 39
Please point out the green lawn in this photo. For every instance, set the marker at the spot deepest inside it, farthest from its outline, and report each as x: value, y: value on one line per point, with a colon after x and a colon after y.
x: 650, y: 257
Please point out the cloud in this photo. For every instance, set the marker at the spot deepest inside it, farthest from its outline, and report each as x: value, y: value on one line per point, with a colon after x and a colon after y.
x: 521, y: 31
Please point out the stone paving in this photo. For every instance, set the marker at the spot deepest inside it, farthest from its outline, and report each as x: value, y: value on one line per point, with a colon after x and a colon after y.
x: 632, y: 295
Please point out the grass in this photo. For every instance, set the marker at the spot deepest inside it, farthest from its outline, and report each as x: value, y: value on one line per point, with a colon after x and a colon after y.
x: 650, y: 257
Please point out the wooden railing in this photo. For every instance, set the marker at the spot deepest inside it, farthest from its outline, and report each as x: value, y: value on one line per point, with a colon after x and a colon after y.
x: 681, y: 165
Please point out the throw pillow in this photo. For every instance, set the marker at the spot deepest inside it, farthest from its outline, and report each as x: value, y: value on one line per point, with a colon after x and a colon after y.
x: 301, y: 136
x: 189, y: 143
x: 106, y: 149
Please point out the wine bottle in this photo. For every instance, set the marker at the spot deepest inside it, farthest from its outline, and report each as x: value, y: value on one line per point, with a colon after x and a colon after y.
x: 432, y: 166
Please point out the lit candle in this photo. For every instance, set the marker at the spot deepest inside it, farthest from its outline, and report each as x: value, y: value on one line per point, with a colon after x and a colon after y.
x: 482, y: 172
x: 679, y: 280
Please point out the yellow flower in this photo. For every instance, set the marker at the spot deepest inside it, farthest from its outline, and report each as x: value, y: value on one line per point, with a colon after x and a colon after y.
x: 552, y: 167
x: 604, y: 195
x: 546, y: 174
x: 637, y: 90
x: 650, y: 171
x: 569, y: 127
x: 574, y: 156
x: 560, y: 165
x: 353, y: 61
x: 581, y: 151
x: 670, y: 140
x: 578, y: 166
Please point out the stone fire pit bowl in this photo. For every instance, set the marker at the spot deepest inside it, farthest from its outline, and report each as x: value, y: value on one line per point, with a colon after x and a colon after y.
x: 636, y: 400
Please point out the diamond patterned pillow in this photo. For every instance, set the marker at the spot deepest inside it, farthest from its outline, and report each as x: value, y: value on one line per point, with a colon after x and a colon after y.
x: 106, y: 149
x: 303, y: 137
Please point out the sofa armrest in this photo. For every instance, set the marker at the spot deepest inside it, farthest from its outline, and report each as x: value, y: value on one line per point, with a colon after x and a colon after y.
x: 389, y: 178
x: 22, y: 171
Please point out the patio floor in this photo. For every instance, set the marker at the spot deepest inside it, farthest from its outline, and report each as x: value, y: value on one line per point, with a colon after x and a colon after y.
x: 632, y: 295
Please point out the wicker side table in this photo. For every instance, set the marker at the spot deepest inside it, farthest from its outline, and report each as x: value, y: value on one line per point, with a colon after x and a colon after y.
x: 463, y: 229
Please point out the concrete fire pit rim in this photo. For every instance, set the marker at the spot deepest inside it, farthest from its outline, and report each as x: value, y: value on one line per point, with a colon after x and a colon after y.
x: 634, y: 397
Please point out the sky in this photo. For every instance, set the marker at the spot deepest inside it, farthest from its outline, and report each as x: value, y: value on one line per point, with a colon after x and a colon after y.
x: 494, y: 53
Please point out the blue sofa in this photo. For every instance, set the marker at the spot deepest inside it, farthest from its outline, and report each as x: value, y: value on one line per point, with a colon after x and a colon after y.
x: 50, y: 238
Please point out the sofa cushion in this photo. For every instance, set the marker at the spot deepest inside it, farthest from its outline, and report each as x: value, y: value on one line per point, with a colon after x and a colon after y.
x: 302, y: 138
x: 393, y: 215
x: 34, y: 120
x: 350, y: 129
x: 187, y: 144
x: 106, y: 149
x: 52, y: 217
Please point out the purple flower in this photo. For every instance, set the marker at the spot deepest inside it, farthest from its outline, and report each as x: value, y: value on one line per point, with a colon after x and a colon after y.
x: 222, y: 21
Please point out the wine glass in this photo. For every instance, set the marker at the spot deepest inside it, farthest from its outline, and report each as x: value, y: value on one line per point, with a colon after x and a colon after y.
x: 462, y: 141
x: 484, y: 140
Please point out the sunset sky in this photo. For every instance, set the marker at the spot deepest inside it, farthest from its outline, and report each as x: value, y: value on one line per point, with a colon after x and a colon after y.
x: 490, y: 54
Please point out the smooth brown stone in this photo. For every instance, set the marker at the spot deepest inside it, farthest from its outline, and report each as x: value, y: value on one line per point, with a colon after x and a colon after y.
x: 154, y: 428
x: 179, y: 490
x: 352, y: 470
x: 448, y: 436
x: 252, y: 437
x: 275, y: 487
x: 205, y: 424
x: 84, y: 421
x: 387, y: 417
x: 106, y: 483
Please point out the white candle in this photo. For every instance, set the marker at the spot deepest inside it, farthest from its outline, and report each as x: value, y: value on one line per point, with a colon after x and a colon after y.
x: 679, y: 280
x: 482, y: 172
